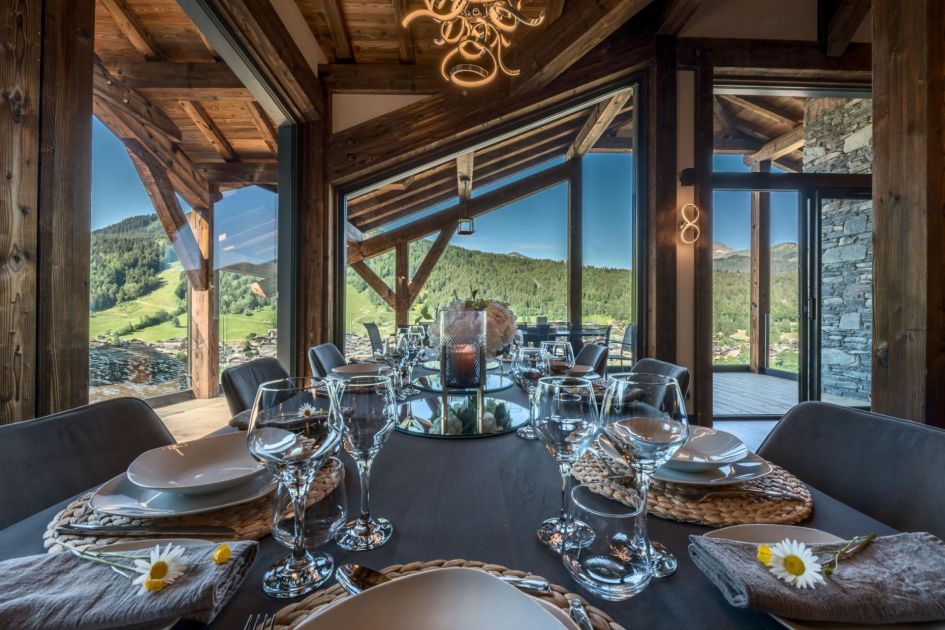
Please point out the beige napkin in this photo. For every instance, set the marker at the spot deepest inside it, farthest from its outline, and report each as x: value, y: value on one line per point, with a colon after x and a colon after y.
x: 60, y: 590
x: 896, y: 579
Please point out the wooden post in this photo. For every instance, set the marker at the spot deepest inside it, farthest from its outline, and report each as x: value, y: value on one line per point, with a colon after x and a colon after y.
x: 908, y: 209
x: 402, y: 283
x: 575, y: 241
x: 45, y: 164
x: 760, y: 272
x: 204, y: 329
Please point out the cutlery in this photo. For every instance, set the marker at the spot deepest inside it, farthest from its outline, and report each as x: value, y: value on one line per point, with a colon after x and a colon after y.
x: 89, y: 529
x: 699, y: 496
x: 355, y: 578
x: 260, y: 622
x: 579, y: 615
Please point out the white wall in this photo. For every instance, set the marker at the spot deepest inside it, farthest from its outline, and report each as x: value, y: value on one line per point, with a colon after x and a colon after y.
x: 348, y: 110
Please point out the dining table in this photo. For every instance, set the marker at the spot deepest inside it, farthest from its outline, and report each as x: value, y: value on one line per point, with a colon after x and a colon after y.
x: 482, y: 500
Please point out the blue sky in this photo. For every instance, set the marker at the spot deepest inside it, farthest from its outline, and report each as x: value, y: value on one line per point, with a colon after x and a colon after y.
x: 731, y: 211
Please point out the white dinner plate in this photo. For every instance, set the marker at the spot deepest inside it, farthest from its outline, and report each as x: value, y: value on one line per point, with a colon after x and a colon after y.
x: 771, y: 534
x: 752, y: 467
x: 707, y: 449
x: 210, y: 464
x: 121, y: 497
x: 455, y: 598
x: 360, y: 369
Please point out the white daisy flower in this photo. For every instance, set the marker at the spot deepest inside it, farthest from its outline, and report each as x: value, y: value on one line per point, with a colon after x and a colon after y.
x: 307, y: 410
x: 794, y: 563
x: 162, y: 568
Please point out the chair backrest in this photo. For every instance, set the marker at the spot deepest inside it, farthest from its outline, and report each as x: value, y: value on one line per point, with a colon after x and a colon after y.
x: 594, y: 355
x: 325, y: 358
x: 655, y: 366
x: 241, y: 382
x: 374, y: 334
x: 888, y: 468
x: 628, y: 337
x: 47, y: 460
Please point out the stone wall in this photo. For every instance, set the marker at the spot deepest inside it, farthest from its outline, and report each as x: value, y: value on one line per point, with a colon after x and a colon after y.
x: 838, y: 135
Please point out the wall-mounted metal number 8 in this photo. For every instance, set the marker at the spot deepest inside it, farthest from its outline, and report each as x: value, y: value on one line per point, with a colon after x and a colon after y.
x: 689, y: 231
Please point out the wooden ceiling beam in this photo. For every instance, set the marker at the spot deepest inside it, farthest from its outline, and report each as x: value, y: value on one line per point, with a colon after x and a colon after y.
x: 196, y: 112
x: 131, y: 27
x: 429, y: 261
x: 170, y: 214
x: 404, y: 34
x: 844, y: 23
x: 340, y: 39
x: 725, y: 119
x: 380, y: 78
x: 544, y: 55
x: 597, y: 123
x: 766, y: 109
x: 247, y: 173
x: 488, y: 202
x: 465, y: 165
x: 676, y: 15
x: 739, y: 144
x: 777, y: 147
x: 553, y: 10
x: 724, y: 54
x: 132, y: 102
x: 171, y: 75
x: 263, y: 125
x: 375, y: 282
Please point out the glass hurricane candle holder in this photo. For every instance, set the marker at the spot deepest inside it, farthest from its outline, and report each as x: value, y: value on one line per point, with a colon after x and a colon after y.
x: 462, y: 348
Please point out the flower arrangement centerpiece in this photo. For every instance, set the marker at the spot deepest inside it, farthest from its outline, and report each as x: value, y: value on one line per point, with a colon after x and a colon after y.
x: 500, y: 321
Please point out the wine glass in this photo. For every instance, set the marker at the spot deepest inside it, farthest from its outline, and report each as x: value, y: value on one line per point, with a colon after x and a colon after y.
x: 526, y: 369
x: 323, y: 519
x: 557, y: 356
x: 368, y: 411
x: 565, y: 418
x: 645, y: 422
x: 410, y: 344
x: 293, y: 430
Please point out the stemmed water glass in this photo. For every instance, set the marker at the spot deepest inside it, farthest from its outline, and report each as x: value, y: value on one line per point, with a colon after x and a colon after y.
x: 526, y: 369
x: 293, y: 430
x: 323, y: 519
x: 557, y: 357
x: 565, y: 418
x: 368, y: 411
x: 645, y: 422
x: 410, y: 344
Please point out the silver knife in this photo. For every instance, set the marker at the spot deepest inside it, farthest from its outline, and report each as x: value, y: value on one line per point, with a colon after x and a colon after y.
x: 88, y: 529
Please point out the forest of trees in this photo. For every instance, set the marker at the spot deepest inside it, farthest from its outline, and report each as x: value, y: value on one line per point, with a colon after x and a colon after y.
x: 126, y: 260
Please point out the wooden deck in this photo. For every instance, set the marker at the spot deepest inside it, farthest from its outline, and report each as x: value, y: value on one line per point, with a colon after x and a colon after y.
x: 749, y: 394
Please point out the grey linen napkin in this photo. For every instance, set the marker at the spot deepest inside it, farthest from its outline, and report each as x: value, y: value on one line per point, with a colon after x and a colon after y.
x: 896, y: 579
x: 60, y: 590
x: 241, y: 420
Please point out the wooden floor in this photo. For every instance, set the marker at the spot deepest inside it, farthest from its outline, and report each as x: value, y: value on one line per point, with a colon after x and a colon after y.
x: 749, y: 394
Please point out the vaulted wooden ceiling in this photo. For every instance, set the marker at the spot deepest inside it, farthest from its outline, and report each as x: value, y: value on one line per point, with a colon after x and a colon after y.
x: 761, y: 127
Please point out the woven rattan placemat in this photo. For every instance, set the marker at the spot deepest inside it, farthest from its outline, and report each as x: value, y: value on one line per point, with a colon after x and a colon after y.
x: 676, y: 502
x: 293, y: 614
x: 252, y: 520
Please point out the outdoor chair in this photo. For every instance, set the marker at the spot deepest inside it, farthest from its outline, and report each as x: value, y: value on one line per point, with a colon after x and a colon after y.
x: 325, y: 358
x: 622, y: 352
x: 890, y: 469
x: 374, y: 334
x: 241, y: 382
x: 663, y: 368
x: 47, y: 460
x: 594, y: 355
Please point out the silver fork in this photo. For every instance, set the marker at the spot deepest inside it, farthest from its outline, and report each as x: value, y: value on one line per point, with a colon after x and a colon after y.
x: 701, y: 495
x: 260, y: 621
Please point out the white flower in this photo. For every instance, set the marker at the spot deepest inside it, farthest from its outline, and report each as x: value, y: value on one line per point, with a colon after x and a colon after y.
x: 163, y: 568
x: 307, y: 410
x: 794, y: 563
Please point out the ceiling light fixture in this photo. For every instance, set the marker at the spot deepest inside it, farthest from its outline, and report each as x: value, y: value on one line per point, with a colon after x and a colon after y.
x: 478, y: 31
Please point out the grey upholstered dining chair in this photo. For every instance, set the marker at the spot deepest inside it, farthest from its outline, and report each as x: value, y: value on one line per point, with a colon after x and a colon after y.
x: 655, y: 366
x: 325, y: 358
x: 594, y: 355
x: 241, y: 382
x: 49, y: 459
x: 888, y: 468
x: 374, y: 334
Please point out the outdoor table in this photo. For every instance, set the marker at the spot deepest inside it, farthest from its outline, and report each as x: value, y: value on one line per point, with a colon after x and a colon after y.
x: 483, y: 499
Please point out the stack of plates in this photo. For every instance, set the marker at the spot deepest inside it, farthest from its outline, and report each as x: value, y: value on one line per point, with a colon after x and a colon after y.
x: 187, y: 478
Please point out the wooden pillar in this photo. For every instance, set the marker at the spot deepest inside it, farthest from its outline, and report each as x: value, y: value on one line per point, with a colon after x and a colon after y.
x: 760, y: 272
x: 402, y: 283
x: 317, y: 244
x: 909, y: 209
x: 575, y: 240
x: 45, y: 195
x: 702, y: 377
x: 204, y: 326
x: 662, y: 216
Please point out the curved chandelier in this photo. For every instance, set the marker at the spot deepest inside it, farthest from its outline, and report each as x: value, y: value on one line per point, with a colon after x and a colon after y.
x: 478, y: 32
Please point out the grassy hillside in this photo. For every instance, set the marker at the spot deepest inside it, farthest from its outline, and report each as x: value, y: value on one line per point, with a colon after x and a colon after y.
x: 106, y: 322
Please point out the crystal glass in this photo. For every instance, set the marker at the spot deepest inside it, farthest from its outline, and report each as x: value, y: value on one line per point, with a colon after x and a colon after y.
x: 368, y: 410
x: 615, y: 564
x: 321, y: 522
x: 644, y: 418
x: 565, y: 418
x: 526, y: 369
x: 294, y: 428
x: 410, y: 347
x: 557, y: 357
